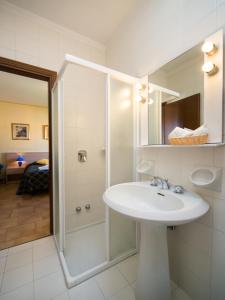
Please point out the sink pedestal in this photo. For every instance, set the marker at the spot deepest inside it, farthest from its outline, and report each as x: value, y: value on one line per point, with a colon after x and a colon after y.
x: 153, y: 280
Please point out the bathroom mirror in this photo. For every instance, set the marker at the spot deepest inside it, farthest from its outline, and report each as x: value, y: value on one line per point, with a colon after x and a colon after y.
x: 181, y: 94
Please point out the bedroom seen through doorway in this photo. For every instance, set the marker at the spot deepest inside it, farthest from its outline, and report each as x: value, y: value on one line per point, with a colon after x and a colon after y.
x: 25, y: 156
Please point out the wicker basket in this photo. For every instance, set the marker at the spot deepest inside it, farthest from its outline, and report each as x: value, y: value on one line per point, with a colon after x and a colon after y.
x: 190, y: 140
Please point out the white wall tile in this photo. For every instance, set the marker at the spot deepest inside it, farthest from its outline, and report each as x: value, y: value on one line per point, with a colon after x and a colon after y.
x: 27, y: 39
x: 7, y: 39
x: 7, y: 53
x: 219, y: 215
x: 218, y: 266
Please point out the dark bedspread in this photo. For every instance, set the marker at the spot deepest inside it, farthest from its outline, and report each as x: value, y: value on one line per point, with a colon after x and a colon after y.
x: 33, y: 180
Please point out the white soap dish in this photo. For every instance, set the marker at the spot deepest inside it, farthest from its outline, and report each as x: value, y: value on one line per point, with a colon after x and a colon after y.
x: 208, y: 177
x: 145, y: 167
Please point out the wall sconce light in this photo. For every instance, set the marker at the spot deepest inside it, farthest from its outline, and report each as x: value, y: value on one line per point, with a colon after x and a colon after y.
x: 209, y: 68
x: 140, y: 86
x: 209, y: 48
x: 150, y: 89
x: 150, y: 101
x: 140, y: 98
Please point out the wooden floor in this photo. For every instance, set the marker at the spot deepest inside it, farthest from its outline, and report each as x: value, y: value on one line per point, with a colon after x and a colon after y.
x: 22, y: 218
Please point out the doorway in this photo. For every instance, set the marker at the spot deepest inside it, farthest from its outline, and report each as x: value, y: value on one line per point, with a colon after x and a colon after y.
x: 26, y: 198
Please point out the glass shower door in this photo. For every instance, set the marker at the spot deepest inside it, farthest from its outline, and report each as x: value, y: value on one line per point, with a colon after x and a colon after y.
x: 84, y: 168
x: 122, y: 229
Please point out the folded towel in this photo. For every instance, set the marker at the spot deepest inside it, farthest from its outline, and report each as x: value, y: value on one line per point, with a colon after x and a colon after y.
x: 202, y: 130
x: 186, y: 132
x: 42, y: 168
x: 180, y: 132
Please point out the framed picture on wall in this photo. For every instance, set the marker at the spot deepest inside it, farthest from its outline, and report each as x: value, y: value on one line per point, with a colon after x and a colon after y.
x: 45, y: 132
x: 20, y: 131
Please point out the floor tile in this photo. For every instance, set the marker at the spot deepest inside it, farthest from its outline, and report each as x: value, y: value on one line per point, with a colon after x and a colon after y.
x: 16, y: 278
x: 23, y: 293
x: 180, y: 295
x: 45, y: 240
x: 110, y: 281
x: 173, y: 287
x: 18, y: 259
x: 21, y: 247
x: 49, y: 286
x: 2, y: 264
x: 46, y: 266
x: 126, y: 293
x: 4, y: 253
x: 63, y: 296
x: 43, y: 250
x: 128, y: 268
x: 86, y: 291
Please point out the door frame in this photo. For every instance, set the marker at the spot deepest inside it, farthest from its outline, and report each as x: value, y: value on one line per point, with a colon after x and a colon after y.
x: 23, y: 69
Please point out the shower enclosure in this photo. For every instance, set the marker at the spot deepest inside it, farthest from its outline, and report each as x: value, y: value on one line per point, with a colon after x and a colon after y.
x: 93, y: 148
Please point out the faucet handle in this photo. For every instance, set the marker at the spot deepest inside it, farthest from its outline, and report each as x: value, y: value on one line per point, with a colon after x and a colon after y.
x: 165, y: 183
x: 178, y: 189
x: 154, y: 181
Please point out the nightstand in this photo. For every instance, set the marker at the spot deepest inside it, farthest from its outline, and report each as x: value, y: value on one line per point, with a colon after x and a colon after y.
x: 13, y: 170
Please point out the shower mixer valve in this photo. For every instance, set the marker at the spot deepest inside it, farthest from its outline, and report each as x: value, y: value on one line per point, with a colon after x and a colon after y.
x: 82, y: 155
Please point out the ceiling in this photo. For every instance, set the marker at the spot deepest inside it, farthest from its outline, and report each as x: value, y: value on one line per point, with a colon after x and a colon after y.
x: 96, y: 19
x: 24, y: 90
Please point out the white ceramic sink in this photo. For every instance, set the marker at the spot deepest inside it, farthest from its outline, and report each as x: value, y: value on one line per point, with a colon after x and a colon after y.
x: 143, y: 202
x: 155, y: 209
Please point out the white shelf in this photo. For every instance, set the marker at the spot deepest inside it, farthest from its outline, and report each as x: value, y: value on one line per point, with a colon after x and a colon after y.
x: 183, y: 146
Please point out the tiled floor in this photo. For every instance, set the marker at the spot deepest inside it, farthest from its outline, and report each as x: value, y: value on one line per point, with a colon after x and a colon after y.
x: 22, y: 218
x: 32, y: 271
x: 78, y: 244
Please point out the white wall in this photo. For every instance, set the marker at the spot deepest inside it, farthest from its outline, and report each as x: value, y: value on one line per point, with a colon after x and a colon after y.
x: 28, y: 38
x: 159, y: 31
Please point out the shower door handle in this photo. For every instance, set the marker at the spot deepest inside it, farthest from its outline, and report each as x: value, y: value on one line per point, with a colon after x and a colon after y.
x: 82, y: 156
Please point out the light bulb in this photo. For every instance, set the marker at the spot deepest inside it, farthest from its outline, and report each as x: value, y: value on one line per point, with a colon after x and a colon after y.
x: 150, y: 89
x: 209, y: 48
x: 209, y: 68
x: 140, y: 98
x: 140, y: 86
x: 150, y: 101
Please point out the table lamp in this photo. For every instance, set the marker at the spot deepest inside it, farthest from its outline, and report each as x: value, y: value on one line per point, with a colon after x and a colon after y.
x: 20, y: 160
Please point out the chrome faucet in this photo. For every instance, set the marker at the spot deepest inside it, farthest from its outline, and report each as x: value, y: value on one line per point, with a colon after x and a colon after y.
x: 164, y: 184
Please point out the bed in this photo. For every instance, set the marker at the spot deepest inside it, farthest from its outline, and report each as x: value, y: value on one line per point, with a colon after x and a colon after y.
x: 35, y: 178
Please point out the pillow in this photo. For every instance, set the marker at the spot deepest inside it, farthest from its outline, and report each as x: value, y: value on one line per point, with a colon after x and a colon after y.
x: 43, y: 161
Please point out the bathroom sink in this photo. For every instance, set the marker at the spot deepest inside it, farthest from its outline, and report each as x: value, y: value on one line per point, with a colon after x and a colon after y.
x: 143, y: 202
x: 154, y: 208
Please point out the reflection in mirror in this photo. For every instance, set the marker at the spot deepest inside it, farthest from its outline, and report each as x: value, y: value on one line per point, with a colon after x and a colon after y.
x: 176, y: 96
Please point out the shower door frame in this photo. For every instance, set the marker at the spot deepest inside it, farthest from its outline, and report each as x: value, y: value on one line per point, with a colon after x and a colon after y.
x: 110, y: 73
